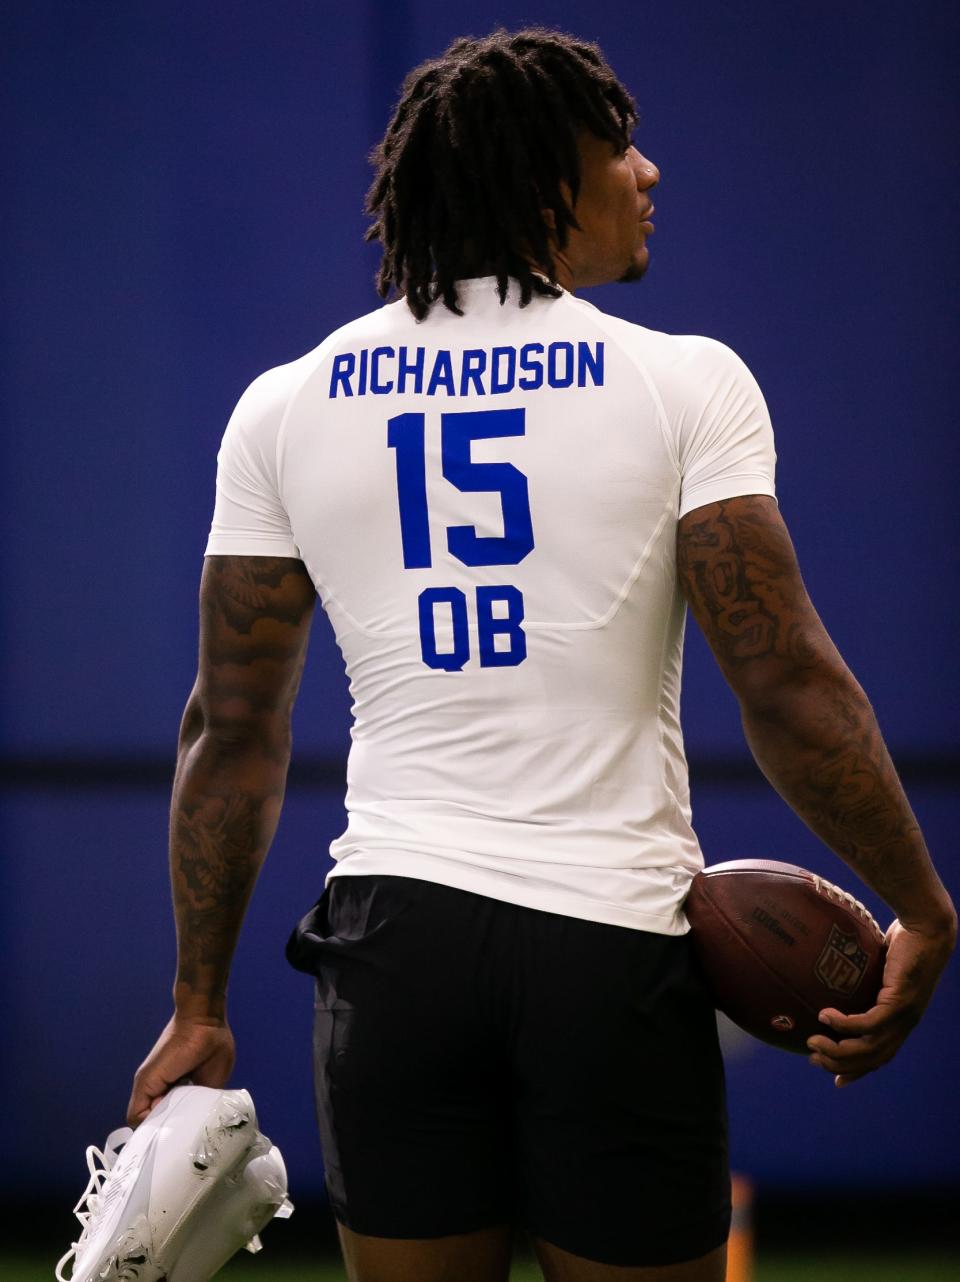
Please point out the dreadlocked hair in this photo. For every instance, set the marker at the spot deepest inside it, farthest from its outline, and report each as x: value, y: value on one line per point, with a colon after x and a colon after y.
x: 476, y: 152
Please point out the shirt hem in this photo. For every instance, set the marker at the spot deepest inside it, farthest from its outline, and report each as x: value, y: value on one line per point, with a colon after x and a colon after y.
x: 240, y: 545
x: 718, y: 492
x: 494, y: 885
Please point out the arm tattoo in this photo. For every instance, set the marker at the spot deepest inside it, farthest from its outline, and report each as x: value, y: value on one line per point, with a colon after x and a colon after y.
x: 738, y: 572
x: 234, y: 751
x: 249, y: 589
x: 213, y: 846
x: 811, y: 727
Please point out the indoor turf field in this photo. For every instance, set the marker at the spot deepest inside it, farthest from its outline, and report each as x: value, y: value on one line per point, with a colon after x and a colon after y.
x: 839, y: 1267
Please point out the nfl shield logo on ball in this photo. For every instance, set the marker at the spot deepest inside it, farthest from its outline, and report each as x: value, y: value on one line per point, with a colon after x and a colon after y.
x: 841, y: 965
x: 783, y: 1023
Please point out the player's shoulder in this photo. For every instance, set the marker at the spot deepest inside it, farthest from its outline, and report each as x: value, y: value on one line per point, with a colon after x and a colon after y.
x: 681, y: 353
x: 687, y: 372
x: 266, y: 399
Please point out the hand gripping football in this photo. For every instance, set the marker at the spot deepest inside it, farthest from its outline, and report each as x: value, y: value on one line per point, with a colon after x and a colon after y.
x: 779, y: 944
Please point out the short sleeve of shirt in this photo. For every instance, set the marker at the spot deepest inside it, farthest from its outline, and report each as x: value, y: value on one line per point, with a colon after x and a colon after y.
x: 248, y: 516
x: 720, y: 424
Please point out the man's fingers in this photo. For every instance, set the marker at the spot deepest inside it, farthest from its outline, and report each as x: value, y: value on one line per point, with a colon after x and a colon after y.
x: 201, y: 1053
x: 853, y: 1058
x: 860, y: 1043
x: 843, y: 1049
x: 847, y: 1063
x: 850, y: 1046
x: 844, y: 1079
x: 829, y: 1063
x: 137, y: 1113
x: 142, y: 1101
x: 857, y: 1025
x: 149, y: 1086
x: 876, y: 1024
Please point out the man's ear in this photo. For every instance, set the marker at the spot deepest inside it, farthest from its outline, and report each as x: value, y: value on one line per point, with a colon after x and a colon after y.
x: 550, y: 218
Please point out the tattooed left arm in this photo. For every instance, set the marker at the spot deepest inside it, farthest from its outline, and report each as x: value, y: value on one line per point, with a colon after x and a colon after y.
x: 814, y: 735
x: 228, y: 790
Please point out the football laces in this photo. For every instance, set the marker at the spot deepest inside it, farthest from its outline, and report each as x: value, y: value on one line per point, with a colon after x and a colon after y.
x: 827, y: 888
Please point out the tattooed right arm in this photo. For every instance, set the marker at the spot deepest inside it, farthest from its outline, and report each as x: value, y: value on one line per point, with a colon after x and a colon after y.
x: 809, y: 724
x: 232, y: 763
x: 228, y: 789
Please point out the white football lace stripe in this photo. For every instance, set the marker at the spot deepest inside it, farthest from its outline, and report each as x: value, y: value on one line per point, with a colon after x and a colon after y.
x: 828, y: 888
x: 93, y: 1201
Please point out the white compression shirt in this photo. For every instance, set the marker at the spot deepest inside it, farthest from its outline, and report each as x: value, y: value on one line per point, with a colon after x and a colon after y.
x: 488, y: 507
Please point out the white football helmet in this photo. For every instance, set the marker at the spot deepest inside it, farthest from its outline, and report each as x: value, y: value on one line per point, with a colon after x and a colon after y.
x: 174, y: 1199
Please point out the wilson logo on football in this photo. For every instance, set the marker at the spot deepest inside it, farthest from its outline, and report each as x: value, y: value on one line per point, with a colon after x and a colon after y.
x: 842, y: 963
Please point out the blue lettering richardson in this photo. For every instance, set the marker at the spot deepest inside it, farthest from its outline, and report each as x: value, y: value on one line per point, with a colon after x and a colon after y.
x: 590, y: 362
x: 472, y: 372
x: 532, y: 368
x: 441, y: 375
x: 406, y: 367
x: 378, y: 388
x: 474, y: 363
x: 341, y: 373
x: 503, y: 369
x: 560, y: 371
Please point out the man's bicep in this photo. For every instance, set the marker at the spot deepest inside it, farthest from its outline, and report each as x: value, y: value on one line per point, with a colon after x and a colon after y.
x: 739, y: 573
x: 255, y: 614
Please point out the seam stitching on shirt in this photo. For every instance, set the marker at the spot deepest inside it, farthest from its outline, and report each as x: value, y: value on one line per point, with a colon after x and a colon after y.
x: 663, y: 422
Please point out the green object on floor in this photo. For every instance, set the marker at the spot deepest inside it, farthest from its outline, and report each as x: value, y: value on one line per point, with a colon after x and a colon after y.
x: 838, y: 1267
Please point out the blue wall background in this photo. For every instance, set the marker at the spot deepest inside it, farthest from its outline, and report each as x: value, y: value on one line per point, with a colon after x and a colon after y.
x: 182, y: 208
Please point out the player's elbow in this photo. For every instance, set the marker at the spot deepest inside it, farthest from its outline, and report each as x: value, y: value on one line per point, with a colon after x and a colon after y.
x: 235, y: 725
x: 191, y: 724
x: 241, y: 730
x: 803, y: 719
x: 793, y: 692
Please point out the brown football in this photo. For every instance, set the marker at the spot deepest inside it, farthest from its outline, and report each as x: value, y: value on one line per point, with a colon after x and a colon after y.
x: 779, y: 944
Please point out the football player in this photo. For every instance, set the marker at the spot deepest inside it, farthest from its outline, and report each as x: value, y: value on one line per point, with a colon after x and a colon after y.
x: 504, y: 499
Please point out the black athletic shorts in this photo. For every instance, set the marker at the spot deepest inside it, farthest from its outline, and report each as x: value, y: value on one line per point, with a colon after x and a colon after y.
x: 478, y: 1063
